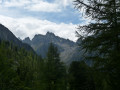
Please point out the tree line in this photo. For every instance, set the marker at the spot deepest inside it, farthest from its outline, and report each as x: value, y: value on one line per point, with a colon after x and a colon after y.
x: 22, y: 70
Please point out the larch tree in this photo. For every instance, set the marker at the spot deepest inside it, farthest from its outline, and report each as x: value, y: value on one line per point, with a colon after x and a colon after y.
x: 102, y: 37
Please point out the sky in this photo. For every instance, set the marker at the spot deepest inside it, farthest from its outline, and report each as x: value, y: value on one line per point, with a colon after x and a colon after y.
x: 25, y: 18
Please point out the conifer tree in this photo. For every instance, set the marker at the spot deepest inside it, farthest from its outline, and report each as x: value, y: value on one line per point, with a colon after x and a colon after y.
x: 16, y: 68
x: 80, y: 76
x: 102, y: 37
x: 55, y: 71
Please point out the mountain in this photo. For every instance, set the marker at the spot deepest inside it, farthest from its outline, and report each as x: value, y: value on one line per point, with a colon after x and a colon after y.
x: 69, y: 50
x: 7, y: 35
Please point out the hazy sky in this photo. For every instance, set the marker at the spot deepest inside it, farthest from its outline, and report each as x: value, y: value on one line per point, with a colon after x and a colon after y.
x: 25, y: 18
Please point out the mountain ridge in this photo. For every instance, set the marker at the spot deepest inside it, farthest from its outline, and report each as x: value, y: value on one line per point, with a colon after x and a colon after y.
x: 69, y: 50
x: 7, y: 35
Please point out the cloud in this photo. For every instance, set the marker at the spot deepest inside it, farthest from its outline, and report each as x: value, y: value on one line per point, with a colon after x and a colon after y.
x: 24, y: 27
x: 64, y: 3
x: 37, y: 5
x: 14, y: 14
x: 44, y: 7
x: 16, y: 3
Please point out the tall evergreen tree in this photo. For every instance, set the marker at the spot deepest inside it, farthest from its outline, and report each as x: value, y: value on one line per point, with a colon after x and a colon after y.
x: 80, y: 77
x: 103, y: 38
x: 55, y: 71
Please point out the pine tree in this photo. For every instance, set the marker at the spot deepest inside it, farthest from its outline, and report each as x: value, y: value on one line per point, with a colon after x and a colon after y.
x: 102, y: 37
x: 55, y: 71
x: 80, y: 76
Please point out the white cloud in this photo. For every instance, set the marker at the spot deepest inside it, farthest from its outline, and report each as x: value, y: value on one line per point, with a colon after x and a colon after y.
x: 38, y: 5
x: 0, y: 1
x: 16, y: 3
x: 64, y: 3
x: 44, y: 7
x: 24, y: 27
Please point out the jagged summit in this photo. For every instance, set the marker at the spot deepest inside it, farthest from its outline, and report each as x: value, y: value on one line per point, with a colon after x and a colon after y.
x: 48, y: 38
x: 47, y: 35
x: 67, y: 48
x: 37, y: 35
x: 27, y: 38
x: 50, y: 34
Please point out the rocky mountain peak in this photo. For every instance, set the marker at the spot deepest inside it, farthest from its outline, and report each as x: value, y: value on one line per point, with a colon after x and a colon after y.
x: 66, y: 47
x: 37, y: 36
x: 50, y: 34
x: 27, y: 38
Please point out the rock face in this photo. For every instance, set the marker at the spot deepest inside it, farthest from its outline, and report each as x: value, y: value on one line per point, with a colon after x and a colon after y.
x: 69, y: 50
x: 7, y: 35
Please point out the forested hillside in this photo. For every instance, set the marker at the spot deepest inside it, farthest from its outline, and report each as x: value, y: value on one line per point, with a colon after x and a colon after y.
x: 17, y: 67
x: 23, y: 70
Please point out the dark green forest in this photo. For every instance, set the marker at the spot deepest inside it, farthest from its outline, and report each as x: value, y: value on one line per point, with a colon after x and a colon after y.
x: 23, y: 70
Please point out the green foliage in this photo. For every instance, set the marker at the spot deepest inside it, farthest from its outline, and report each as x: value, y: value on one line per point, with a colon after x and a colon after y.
x: 103, y: 40
x: 80, y: 77
x: 55, y: 71
x: 17, y: 67
x: 22, y: 70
